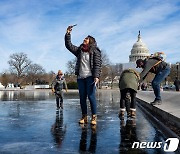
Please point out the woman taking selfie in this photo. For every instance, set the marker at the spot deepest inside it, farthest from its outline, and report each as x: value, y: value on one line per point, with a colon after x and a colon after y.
x: 88, y: 68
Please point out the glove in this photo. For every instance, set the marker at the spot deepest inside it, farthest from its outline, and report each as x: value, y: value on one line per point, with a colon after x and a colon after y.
x: 53, y: 90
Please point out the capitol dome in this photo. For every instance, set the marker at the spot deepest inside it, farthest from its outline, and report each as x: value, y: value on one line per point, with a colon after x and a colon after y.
x: 139, y: 50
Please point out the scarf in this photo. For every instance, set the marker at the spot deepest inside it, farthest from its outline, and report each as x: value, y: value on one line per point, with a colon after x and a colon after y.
x: 85, y: 48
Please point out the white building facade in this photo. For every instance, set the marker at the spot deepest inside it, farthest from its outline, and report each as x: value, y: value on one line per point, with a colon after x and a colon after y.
x: 138, y: 51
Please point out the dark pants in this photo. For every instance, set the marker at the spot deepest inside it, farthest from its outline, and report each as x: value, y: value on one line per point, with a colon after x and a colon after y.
x: 177, y: 87
x: 87, y: 88
x: 59, y: 97
x: 128, y: 99
x: 157, y: 80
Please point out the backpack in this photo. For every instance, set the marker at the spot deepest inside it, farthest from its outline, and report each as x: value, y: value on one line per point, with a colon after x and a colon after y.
x: 159, y: 56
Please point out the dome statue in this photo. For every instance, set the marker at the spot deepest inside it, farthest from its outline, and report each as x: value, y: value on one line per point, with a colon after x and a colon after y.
x: 139, y: 50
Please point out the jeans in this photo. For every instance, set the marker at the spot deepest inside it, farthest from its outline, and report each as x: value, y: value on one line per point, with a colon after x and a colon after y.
x: 157, y: 80
x: 128, y: 99
x: 59, y: 97
x: 87, y: 88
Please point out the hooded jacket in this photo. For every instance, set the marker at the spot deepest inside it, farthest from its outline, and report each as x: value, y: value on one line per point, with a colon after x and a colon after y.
x: 129, y: 79
x: 95, y: 56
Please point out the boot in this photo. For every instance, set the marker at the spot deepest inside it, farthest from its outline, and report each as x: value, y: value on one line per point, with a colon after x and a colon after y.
x: 94, y: 119
x: 84, y: 119
x: 133, y: 113
x: 121, y: 113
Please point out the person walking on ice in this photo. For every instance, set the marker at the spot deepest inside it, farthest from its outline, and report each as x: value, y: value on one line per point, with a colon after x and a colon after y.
x: 58, y: 84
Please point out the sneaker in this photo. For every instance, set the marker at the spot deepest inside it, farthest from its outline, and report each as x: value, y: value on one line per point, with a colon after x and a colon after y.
x: 94, y: 119
x: 156, y: 102
x: 83, y: 120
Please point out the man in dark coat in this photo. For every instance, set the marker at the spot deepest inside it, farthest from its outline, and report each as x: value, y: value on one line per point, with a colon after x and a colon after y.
x: 177, y: 83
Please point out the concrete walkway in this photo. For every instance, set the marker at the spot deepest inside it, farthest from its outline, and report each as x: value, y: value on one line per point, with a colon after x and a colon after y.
x: 170, y: 101
x: 169, y: 110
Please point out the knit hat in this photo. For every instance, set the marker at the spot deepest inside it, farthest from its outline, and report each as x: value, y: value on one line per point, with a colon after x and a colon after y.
x: 138, y: 63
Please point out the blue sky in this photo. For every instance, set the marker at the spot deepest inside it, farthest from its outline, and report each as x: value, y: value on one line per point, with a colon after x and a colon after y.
x: 37, y: 28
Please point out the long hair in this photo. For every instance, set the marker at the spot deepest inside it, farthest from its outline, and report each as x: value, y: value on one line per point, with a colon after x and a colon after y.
x: 92, y: 41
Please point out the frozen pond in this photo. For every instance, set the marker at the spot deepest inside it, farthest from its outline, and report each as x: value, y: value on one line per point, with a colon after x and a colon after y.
x: 29, y: 123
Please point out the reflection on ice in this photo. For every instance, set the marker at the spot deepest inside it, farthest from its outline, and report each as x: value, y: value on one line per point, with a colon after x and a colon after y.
x: 58, y: 129
x: 29, y: 123
x: 23, y: 95
x: 83, y: 145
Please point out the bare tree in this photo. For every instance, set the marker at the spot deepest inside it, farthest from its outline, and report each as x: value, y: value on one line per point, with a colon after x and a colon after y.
x: 34, y: 72
x: 112, y: 74
x: 48, y: 77
x: 105, y: 59
x: 7, y: 78
x: 71, y: 66
x: 105, y: 68
x: 18, y: 63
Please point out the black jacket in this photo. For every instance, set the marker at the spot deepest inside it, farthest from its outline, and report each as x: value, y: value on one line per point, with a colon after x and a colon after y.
x: 177, y: 82
x: 95, y: 56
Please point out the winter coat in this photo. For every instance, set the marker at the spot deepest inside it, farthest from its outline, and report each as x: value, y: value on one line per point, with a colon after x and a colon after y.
x: 59, y: 83
x: 152, y: 65
x: 95, y: 56
x: 129, y: 79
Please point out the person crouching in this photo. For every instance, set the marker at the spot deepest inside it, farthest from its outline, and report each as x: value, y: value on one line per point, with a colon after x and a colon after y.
x: 128, y: 84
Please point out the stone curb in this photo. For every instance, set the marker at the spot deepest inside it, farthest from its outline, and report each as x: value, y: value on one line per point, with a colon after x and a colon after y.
x: 161, y: 115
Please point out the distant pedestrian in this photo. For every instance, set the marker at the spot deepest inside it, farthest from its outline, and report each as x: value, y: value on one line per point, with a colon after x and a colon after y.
x: 58, y: 84
x: 88, y: 69
x: 161, y: 70
x: 128, y: 84
x: 177, y: 84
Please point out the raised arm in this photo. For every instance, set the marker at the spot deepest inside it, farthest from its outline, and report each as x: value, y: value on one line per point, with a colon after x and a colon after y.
x: 72, y: 48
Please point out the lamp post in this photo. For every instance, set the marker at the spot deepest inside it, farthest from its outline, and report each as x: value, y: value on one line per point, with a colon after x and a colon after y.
x: 177, y: 67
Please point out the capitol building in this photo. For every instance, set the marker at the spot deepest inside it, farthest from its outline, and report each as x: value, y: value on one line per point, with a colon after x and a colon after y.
x: 138, y: 51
